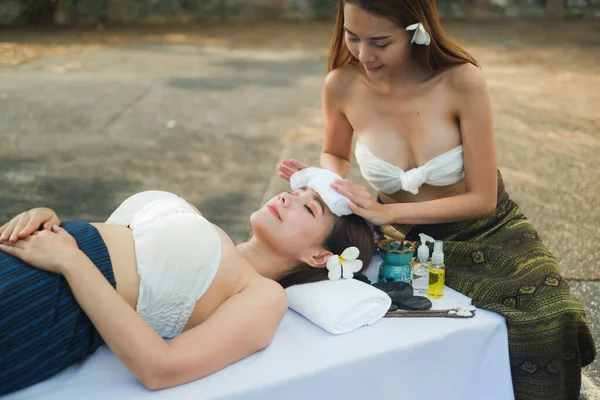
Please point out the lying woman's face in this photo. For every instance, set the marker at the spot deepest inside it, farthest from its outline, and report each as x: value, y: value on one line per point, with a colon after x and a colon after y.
x: 293, y: 222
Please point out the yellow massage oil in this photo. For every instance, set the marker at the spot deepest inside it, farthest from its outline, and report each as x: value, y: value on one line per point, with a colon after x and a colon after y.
x: 437, y: 272
x: 436, y: 283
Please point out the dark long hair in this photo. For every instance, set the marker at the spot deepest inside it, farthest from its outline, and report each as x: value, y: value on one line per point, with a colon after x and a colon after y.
x: 349, y: 230
x: 441, y: 54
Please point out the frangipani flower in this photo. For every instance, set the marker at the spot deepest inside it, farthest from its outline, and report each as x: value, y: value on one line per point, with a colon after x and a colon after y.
x: 345, y: 265
x: 421, y: 36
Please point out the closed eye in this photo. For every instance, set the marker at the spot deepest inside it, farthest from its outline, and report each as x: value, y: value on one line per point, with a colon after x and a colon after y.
x: 376, y: 45
x: 381, y: 46
x: 309, y: 210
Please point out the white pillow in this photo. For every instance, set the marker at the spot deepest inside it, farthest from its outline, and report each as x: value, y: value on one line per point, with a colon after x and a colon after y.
x: 339, y: 306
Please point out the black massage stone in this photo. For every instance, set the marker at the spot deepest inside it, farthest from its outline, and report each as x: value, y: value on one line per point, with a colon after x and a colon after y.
x: 398, y: 291
x: 415, y: 303
x: 362, y: 278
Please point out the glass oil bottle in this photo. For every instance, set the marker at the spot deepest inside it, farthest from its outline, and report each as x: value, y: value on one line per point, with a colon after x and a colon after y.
x: 437, y: 272
x: 420, y: 268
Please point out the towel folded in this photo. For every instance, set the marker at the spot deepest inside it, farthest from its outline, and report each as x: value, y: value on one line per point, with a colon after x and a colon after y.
x: 339, y: 306
x: 320, y: 180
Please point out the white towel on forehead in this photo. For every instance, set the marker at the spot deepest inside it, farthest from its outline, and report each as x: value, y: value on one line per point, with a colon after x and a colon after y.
x: 320, y: 180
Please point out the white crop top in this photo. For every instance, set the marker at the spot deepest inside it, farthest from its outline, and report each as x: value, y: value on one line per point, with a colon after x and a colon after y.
x: 178, y: 253
x: 442, y: 170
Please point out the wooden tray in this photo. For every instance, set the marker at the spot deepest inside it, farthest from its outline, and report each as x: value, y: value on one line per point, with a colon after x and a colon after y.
x: 429, y: 313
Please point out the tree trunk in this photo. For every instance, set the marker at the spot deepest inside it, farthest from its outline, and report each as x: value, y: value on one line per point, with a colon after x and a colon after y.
x: 41, y: 12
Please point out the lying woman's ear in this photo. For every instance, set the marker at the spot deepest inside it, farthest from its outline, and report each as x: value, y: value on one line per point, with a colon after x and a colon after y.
x: 318, y: 258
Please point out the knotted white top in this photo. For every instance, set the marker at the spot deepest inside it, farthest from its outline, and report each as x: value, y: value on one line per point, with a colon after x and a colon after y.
x: 443, y: 170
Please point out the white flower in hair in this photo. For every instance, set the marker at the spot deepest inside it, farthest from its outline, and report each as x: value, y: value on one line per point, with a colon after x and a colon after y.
x: 421, y: 36
x: 345, y: 265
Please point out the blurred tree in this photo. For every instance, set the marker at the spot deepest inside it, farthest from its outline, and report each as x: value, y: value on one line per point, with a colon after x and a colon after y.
x: 39, y: 12
x: 324, y: 9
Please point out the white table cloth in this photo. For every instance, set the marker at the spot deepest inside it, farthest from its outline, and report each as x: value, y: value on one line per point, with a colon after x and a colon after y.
x: 397, y: 358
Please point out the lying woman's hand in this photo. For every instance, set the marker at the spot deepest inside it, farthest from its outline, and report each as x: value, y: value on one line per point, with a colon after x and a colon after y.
x: 363, y: 204
x: 28, y: 222
x: 287, y: 168
x: 48, y: 249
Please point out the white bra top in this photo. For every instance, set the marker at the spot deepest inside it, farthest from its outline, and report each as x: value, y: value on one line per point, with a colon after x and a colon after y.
x: 178, y: 253
x: 442, y: 170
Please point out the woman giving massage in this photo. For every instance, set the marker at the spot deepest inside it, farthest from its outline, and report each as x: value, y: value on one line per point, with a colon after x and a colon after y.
x: 157, y: 269
x: 419, y: 107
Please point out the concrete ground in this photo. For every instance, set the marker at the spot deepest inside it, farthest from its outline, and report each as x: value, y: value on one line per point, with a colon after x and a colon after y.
x: 88, y: 118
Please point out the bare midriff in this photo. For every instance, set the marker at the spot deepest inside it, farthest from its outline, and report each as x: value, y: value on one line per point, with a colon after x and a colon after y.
x: 121, y: 249
x: 426, y: 193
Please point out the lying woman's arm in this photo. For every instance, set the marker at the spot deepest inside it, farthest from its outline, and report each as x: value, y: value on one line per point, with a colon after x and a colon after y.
x: 129, y: 337
x: 244, y: 324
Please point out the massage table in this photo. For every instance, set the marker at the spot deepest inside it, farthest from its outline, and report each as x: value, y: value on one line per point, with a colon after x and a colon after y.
x: 396, y: 358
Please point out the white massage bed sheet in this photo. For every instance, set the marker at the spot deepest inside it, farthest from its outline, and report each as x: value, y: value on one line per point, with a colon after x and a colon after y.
x: 397, y: 358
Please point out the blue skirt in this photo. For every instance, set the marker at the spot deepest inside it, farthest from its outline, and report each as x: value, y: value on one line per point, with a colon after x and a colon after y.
x: 43, y: 330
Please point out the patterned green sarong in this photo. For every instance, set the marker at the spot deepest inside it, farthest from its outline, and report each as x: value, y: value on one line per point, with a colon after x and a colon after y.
x: 501, y: 263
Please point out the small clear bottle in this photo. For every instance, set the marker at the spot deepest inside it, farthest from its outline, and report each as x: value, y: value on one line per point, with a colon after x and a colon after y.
x: 421, y: 269
x: 437, y: 271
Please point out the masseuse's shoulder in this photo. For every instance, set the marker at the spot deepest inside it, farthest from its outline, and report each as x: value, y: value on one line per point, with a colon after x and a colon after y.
x: 339, y: 80
x: 466, y: 79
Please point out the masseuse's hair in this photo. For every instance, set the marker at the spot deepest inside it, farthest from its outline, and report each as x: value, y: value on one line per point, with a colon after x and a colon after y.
x: 349, y: 230
x: 441, y: 54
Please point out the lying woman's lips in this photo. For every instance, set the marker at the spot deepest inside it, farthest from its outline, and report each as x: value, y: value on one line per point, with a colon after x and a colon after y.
x: 274, y: 210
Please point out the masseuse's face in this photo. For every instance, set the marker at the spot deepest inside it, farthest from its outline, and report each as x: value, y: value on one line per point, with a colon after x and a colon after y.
x: 378, y: 43
x: 294, y: 224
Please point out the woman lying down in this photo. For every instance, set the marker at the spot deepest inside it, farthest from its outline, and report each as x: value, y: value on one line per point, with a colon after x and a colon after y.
x: 158, y: 269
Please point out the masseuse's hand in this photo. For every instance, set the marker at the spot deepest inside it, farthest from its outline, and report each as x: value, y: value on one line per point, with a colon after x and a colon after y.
x: 363, y: 204
x: 49, y: 250
x: 287, y: 168
x: 27, y: 223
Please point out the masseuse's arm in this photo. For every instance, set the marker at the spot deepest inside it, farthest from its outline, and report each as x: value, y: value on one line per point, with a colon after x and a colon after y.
x: 337, y: 145
x: 474, y: 114
x: 244, y: 324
